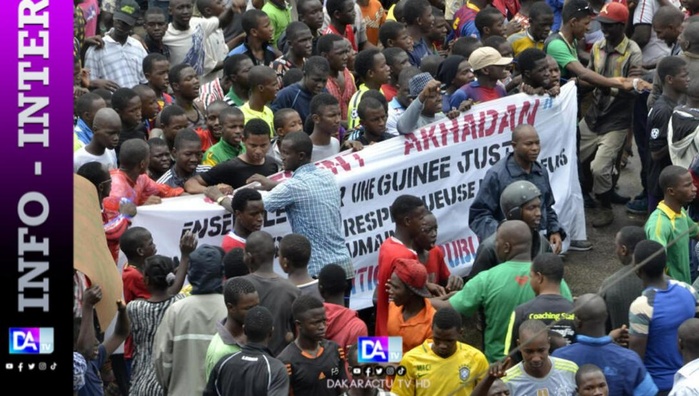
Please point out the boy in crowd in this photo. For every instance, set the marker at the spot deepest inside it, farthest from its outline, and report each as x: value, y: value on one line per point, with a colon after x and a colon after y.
x: 263, y: 90
x: 432, y: 256
x: 670, y: 222
x: 426, y: 106
x: 107, y: 126
x: 149, y: 106
x: 590, y: 381
x: 489, y: 67
x: 438, y: 359
x: 394, y: 34
x: 311, y: 360
x: 279, y: 14
x: 262, y: 374
x: 231, y: 145
x: 236, y: 171
x: 155, y: 21
x: 285, y: 121
x: 159, y: 158
x: 370, y: 66
x: 248, y: 212
x: 240, y: 297
x: 237, y: 74
x: 276, y: 293
x: 674, y: 76
x: 410, y: 311
x: 300, y: 48
x: 418, y: 18
x: 258, y: 34
x: 540, y: 21
x: 156, y: 68
x: 187, y: 153
x: 298, y: 96
x: 211, y: 133
x: 342, y: 14
x: 127, y: 104
x: 489, y: 22
x: 131, y: 182
x: 396, y: 59
x: 215, y: 47
x: 341, y: 84
x: 343, y: 324
x: 372, y: 123
x: 172, y: 120
x: 294, y: 253
x: 325, y: 113
x: 655, y: 316
x: 397, y: 105
x: 86, y: 107
x: 185, y: 88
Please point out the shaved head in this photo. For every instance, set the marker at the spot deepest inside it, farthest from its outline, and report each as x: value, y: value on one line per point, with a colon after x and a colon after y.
x: 590, y: 308
x: 516, y: 232
x: 106, y: 117
x: 260, y: 245
x: 524, y: 131
x: 689, y: 337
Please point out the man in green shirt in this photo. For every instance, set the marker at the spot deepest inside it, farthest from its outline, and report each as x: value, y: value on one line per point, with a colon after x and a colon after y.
x: 669, y: 221
x: 501, y: 289
x: 230, y: 145
x: 562, y: 46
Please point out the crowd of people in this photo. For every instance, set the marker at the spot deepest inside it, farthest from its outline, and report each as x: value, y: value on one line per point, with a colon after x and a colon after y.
x: 212, y: 97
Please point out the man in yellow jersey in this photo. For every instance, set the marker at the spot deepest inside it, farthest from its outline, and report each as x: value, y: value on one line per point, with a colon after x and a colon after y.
x: 442, y: 365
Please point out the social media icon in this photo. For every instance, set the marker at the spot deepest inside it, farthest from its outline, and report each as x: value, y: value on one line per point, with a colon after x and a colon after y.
x: 378, y: 370
x: 390, y: 371
x: 380, y: 349
x: 53, y: 366
x: 31, y: 366
x: 356, y: 370
x: 20, y: 366
x: 367, y: 370
x: 42, y: 366
x: 401, y: 370
x: 31, y: 340
x: 9, y: 366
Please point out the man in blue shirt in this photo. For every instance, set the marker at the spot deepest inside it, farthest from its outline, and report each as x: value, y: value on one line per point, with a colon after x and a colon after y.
x: 623, y: 369
x: 298, y: 96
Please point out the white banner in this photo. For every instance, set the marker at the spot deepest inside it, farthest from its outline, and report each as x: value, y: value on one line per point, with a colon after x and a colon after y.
x: 443, y: 163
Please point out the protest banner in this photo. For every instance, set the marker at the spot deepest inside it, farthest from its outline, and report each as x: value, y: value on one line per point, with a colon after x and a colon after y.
x: 443, y: 163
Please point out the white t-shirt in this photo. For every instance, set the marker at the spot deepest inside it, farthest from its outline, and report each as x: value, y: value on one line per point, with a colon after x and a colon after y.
x: 215, y: 50
x: 82, y: 157
x: 656, y: 49
x: 188, y: 46
x: 322, y: 152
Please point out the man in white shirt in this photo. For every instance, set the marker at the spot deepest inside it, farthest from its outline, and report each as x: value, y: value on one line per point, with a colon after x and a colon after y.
x: 120, y: 59
x: 106, y: 127
x: 687, y: 378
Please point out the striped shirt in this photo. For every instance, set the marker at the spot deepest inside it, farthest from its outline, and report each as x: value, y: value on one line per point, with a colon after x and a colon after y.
x: 119, y: 63
x: 560, y: 381
x: 211, y: 92
x: 173, y: 180
x: 311, y: 198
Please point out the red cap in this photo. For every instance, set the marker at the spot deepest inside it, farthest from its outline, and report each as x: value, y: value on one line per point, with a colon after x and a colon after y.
x: 613, y: 13
x: 414, y: 275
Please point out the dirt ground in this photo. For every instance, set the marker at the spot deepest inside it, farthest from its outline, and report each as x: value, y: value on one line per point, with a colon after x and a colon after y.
x: 585, y: 271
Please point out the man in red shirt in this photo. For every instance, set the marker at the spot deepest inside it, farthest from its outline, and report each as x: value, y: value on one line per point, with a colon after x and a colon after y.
x: 408, y: 212
x: 248, y: 212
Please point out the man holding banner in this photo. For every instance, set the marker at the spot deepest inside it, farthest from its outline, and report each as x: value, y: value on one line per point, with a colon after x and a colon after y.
x: 311, y: 199
x: 485, y: 213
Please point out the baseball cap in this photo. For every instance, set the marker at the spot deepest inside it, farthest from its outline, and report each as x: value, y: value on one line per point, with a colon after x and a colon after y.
x: 613, y: 13
x: 418, y: 83
x: 487, y: 56
x: 127, y: 12
x: 414, y: 275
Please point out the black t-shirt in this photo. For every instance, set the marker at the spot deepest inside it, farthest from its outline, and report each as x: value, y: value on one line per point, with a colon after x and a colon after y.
x: 235, y: 172
x: 548, y: 308
x: 658, y: 119
x: 310, y: 376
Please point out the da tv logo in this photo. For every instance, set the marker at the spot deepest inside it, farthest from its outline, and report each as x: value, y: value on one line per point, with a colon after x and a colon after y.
x: 31, y: 340
x: 380, y: 349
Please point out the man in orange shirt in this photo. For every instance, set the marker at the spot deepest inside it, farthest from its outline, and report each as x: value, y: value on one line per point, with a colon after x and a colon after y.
x: 410, y: 311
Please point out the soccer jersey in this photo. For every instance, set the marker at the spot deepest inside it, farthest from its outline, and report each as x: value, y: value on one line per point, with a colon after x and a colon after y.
x: 656, y: 315
x: 314, y: 375
x: 232, y: 241
x: 460, y: 371
x: 665, y: 225
x: 560, y: 381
